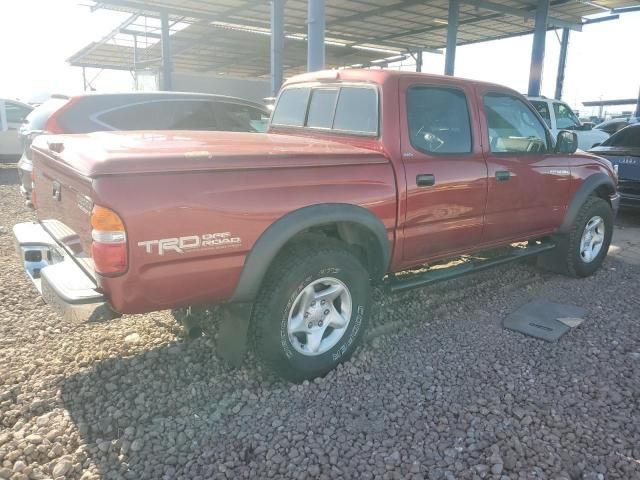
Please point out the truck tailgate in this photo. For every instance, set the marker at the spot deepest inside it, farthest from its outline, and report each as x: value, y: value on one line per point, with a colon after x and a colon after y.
x: 63, y: 205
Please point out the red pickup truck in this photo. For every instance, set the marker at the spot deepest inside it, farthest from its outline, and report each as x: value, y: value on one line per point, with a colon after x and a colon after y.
x: 363, y: 174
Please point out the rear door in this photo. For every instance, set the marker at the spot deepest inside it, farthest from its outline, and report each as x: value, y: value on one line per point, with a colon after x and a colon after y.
x: 446, y: 172
x: 527, y: 183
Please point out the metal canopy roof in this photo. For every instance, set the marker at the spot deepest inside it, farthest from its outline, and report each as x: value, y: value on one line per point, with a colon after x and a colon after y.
x: 202, y: 47
x: 232, y: 36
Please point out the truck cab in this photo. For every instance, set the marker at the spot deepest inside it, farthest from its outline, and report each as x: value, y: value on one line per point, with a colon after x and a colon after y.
x: 365, y: 177
x: 559, y: 116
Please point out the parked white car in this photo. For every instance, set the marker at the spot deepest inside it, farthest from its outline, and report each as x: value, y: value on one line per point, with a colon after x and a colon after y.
x: 12, y: 114
x: 559, y: 116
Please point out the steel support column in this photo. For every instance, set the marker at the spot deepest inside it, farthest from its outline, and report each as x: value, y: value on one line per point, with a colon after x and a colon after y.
x: 419, y: 60
x: 277, y: 44
x: 315, y: 35
x: 165, y: 52
x: 537, y: 52
x: 452, y: 37
x: 562, y: 62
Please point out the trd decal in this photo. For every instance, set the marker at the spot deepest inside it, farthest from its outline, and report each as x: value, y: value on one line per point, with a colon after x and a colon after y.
x: 191, y: 242
x: 563, y: 172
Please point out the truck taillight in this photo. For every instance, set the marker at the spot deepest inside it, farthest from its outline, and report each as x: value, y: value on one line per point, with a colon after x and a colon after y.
x: 109, y: 246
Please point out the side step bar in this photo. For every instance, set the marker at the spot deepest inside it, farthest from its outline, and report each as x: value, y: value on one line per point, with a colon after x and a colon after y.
x: 395, y: 285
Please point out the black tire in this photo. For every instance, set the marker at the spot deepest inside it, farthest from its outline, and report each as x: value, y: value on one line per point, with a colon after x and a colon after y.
x: 567, y: 253
x: 293, y: 270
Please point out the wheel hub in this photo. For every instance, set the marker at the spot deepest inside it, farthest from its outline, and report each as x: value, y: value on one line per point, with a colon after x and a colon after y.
x: 319, y: 316
x: 592, y: 239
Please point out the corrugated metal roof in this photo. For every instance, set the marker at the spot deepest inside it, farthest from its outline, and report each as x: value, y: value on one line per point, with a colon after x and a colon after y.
x: 232, y: 36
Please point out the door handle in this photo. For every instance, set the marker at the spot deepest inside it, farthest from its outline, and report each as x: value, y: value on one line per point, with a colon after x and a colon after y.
x: 503, y: 175
x: 56, y: 190
x: 425, y: 180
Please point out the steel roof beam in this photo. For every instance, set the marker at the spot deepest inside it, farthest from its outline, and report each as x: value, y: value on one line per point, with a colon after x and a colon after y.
x: 216, y: 18
x: 516, y: 12
x: 111, y: 34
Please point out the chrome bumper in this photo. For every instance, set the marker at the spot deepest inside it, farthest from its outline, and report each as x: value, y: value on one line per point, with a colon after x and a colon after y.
x: 58, y: 278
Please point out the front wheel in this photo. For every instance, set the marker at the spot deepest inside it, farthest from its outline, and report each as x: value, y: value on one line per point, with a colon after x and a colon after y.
x: 312, y: 309
x: 584, y: 248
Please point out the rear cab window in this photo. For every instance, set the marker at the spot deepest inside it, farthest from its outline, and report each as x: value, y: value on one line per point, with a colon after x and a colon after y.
x: 336, y: 108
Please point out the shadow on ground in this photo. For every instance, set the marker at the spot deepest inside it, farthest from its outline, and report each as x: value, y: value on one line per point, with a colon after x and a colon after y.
x: 8, y: 175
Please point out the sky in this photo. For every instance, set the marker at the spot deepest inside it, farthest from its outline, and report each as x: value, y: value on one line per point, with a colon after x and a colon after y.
x: 37, y: 36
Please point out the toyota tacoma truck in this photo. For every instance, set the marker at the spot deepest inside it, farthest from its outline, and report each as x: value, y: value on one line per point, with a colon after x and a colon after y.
x: 364, y: 177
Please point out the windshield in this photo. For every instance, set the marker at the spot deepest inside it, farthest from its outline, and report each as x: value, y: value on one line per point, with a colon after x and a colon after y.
x: 565, y: 118
x: 628, y: 137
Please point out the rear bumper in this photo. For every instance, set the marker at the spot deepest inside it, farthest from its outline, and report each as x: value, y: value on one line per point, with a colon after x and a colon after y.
x: 60, y: 280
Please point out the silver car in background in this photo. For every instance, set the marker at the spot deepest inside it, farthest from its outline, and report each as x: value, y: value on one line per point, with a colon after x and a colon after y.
x: 136, y: 111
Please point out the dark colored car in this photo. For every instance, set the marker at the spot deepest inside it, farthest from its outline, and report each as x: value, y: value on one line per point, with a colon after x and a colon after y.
x: 616, y: 124
x: 136, y: 111
x: 622, y: 149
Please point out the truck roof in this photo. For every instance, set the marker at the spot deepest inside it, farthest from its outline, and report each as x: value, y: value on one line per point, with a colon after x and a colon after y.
x: 381, y: 76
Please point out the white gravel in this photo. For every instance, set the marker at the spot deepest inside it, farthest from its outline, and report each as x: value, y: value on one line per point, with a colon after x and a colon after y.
x: 440, y: 390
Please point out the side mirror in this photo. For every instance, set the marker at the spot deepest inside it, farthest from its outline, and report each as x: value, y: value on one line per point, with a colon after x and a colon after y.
x: 567, y: 142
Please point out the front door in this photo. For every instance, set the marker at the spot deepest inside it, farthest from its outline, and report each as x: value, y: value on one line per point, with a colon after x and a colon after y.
x: 528, y: 183
x: 446, y: 173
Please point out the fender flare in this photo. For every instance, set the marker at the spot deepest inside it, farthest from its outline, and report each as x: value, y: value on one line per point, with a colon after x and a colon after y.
x: 590, y: 185
x: 284, y: 229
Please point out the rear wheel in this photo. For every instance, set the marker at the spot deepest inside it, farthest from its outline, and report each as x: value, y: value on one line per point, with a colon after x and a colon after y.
x: 312, y: 309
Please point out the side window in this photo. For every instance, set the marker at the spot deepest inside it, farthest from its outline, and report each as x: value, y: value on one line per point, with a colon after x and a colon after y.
x: 235, y: 117
x: 357, y: 110
x: 160, y: 115
x: 513, y: 127
x: 190, y: 115
x: 16, y: 113
x: 291, y: 108
x: 543, y: 110
x: 438, y: 120
x: 565, y: 118
x: 321, y: 107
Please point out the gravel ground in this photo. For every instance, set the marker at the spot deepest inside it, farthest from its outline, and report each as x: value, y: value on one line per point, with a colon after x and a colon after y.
x: 439, y: 390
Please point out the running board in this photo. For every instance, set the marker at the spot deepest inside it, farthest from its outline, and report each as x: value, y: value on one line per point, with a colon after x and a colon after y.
x: 395, y: 285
